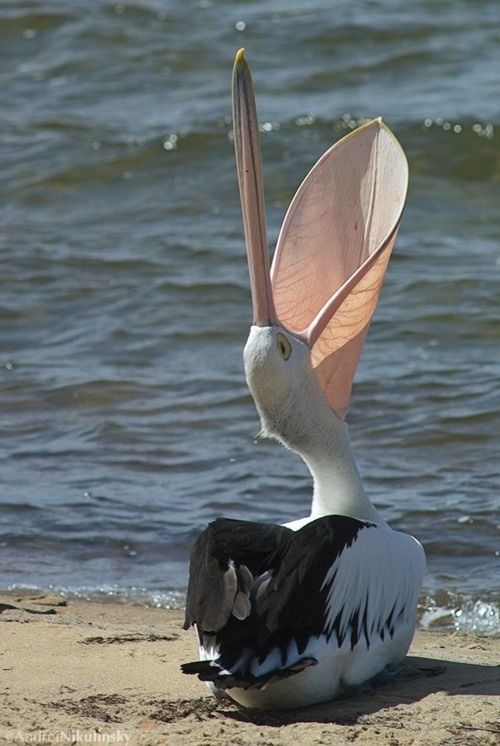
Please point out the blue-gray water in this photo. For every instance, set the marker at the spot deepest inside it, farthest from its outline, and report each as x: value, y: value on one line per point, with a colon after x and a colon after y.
x: 126, y: 424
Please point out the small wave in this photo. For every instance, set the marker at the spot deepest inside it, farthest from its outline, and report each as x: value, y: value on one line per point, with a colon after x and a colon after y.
x: 445, y: 611
x: 479, y: 618
x: 463, y: 614
x: 159, y: 599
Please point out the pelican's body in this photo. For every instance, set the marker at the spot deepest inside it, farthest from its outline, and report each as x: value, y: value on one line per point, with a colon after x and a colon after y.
x: 297, y: 614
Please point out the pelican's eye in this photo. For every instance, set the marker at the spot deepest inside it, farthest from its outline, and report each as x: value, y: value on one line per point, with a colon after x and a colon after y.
x: 284, y: 346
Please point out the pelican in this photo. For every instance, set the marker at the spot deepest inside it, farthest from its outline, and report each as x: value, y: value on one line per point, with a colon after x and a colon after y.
x: 297, y: 614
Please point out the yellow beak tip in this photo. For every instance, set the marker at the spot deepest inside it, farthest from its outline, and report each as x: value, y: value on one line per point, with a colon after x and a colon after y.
x: 240, y: 57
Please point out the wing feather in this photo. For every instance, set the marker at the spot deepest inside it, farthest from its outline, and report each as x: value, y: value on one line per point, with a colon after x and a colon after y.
x: 226, y: 559
x: 336, y: 577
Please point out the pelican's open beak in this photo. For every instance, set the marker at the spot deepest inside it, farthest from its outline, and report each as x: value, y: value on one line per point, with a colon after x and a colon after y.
x: 334, y: 244
x: 248, y: 160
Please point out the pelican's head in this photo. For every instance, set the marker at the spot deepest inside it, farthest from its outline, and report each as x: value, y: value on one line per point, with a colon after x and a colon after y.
x: 313, y: 307
x: 284, y: 388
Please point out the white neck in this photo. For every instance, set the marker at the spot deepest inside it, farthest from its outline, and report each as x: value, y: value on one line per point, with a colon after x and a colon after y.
x: 338, y: 488
x: 293, y: 410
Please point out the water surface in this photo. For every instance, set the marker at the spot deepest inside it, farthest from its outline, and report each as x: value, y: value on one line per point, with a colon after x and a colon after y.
x: 126, y: 424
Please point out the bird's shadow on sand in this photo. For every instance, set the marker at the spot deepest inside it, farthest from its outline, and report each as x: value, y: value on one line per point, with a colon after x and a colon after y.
x: 419, y: 678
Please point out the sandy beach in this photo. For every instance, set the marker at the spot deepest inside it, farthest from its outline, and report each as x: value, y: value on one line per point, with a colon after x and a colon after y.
x: 81, y: 672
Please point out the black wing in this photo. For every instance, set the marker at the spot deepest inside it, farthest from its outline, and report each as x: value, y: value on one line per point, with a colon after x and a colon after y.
x: 225, y: 560
x: 256, y: 587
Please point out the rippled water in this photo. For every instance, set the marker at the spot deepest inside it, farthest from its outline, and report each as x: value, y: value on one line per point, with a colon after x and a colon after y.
x: 124, y: 304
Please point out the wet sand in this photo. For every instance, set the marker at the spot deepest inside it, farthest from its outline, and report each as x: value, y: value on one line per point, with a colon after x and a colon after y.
x: 81, y: 672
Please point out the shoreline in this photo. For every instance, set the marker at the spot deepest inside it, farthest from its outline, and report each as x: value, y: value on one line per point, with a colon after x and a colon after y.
x: 82, y: 671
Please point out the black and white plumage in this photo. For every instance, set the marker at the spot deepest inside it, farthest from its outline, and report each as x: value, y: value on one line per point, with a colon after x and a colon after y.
x: 297, y: 614
x: 270, y: 602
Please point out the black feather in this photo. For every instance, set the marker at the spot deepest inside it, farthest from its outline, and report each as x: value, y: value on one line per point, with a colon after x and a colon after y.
x: 209, y: 672
x: 287, y: 602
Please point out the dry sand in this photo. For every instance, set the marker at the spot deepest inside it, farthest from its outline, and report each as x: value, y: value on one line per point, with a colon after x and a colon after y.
x: 80, y: 672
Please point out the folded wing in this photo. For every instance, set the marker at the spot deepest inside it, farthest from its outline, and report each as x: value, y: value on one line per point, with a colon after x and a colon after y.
x: 343, y: 581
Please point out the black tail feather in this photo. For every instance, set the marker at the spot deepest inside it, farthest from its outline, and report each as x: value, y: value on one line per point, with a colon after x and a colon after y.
x: 211, y: 671
x: 198, y: 667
